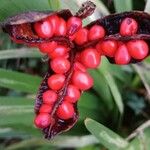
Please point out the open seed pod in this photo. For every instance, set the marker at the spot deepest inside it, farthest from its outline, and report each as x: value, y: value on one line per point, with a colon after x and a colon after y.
x: 112, y: 26
x: 72, y: 50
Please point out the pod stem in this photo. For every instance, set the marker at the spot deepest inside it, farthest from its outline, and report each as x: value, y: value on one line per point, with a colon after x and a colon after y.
x: 86, y: 10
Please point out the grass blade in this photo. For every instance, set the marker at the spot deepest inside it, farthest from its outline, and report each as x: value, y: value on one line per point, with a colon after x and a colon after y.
x: 122, y: 5
x: 19, y: 53
x: 19, y: 81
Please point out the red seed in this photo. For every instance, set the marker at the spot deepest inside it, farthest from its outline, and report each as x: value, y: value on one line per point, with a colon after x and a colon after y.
x: 56, y: 81
x: 122, y: 56
x: 138, y: 49
x: 109, y: 47
x: 58, y: 51
x: 49, y: 97
x: 73, y: 94
x: 81, y: 36
x: 44, y: 29
x: 72, y: 37
x: 42, y: 120
x: 79, y: 67
x: 54, y: 20
x: 99, y: 49
x: 65, y: 111
x: 61, y: 29
x: 90, y: 58
x: 82, y: 80
x: 45, y: 108
x: 96, y: 32
x: 47, y: 47
x: 60, y: 65
x: 73, y: 25
x: 128, y: 27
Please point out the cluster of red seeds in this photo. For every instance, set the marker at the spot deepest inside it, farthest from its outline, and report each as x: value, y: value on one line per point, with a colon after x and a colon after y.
x: 124, y: 52
x: 60, y: 65
x: 90, y: 57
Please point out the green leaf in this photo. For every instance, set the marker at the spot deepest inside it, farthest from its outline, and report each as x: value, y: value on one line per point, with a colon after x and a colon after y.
x: 102, y: 89
x: 123, y: 5
x: 54, y: 5
x: 105, y: 136
x: 8, y: 8
x: 17, y: 114
x: 19, y: 81
x: 20, y: 53
x: 112, y: 85
x: 90, y: 105
x: 59, y: 141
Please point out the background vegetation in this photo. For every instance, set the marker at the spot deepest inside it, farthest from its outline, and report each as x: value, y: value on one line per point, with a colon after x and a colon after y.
x: 119, y: 100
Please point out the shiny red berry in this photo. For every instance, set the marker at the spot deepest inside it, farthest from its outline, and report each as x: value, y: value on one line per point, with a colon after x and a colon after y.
x: 109, y: 47
x: 44, y: 29
x: 54, y: 20
x: 73, y: 94
x: 42, y: 120
x: 81, y: 36
x: 122, y: 56
x: 61, y: 29
x: 72, y: 37
x: 65, y: 111
x: 47, y: 47
x: 128, y: 27
x: 60, y: 65
x: 58, y: 51
x: 49, y: 97
x: 138, y: 49
x: 56, y: 81
x: 79, y: 67
x: 82, y: 80
x: 90, y: 58
x: 96, y: 32
x: 98, y: 48
x: 45, y: 108
x: 73, y: 25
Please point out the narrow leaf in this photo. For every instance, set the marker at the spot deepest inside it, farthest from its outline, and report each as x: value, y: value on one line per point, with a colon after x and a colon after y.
x: 105, y: 136
x: 20, y: 53
x: 123, y: 5
x: 19, y: 81
x: 112, y: 85
x: 54, y: 5
x: 60, y: 141
x: 13, y: 7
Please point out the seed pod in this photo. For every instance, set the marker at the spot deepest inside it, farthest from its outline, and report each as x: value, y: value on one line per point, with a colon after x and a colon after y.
x: 28, y: 28
x: 58, y: 125
x: 112, y: 25
x: 20, y: 27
